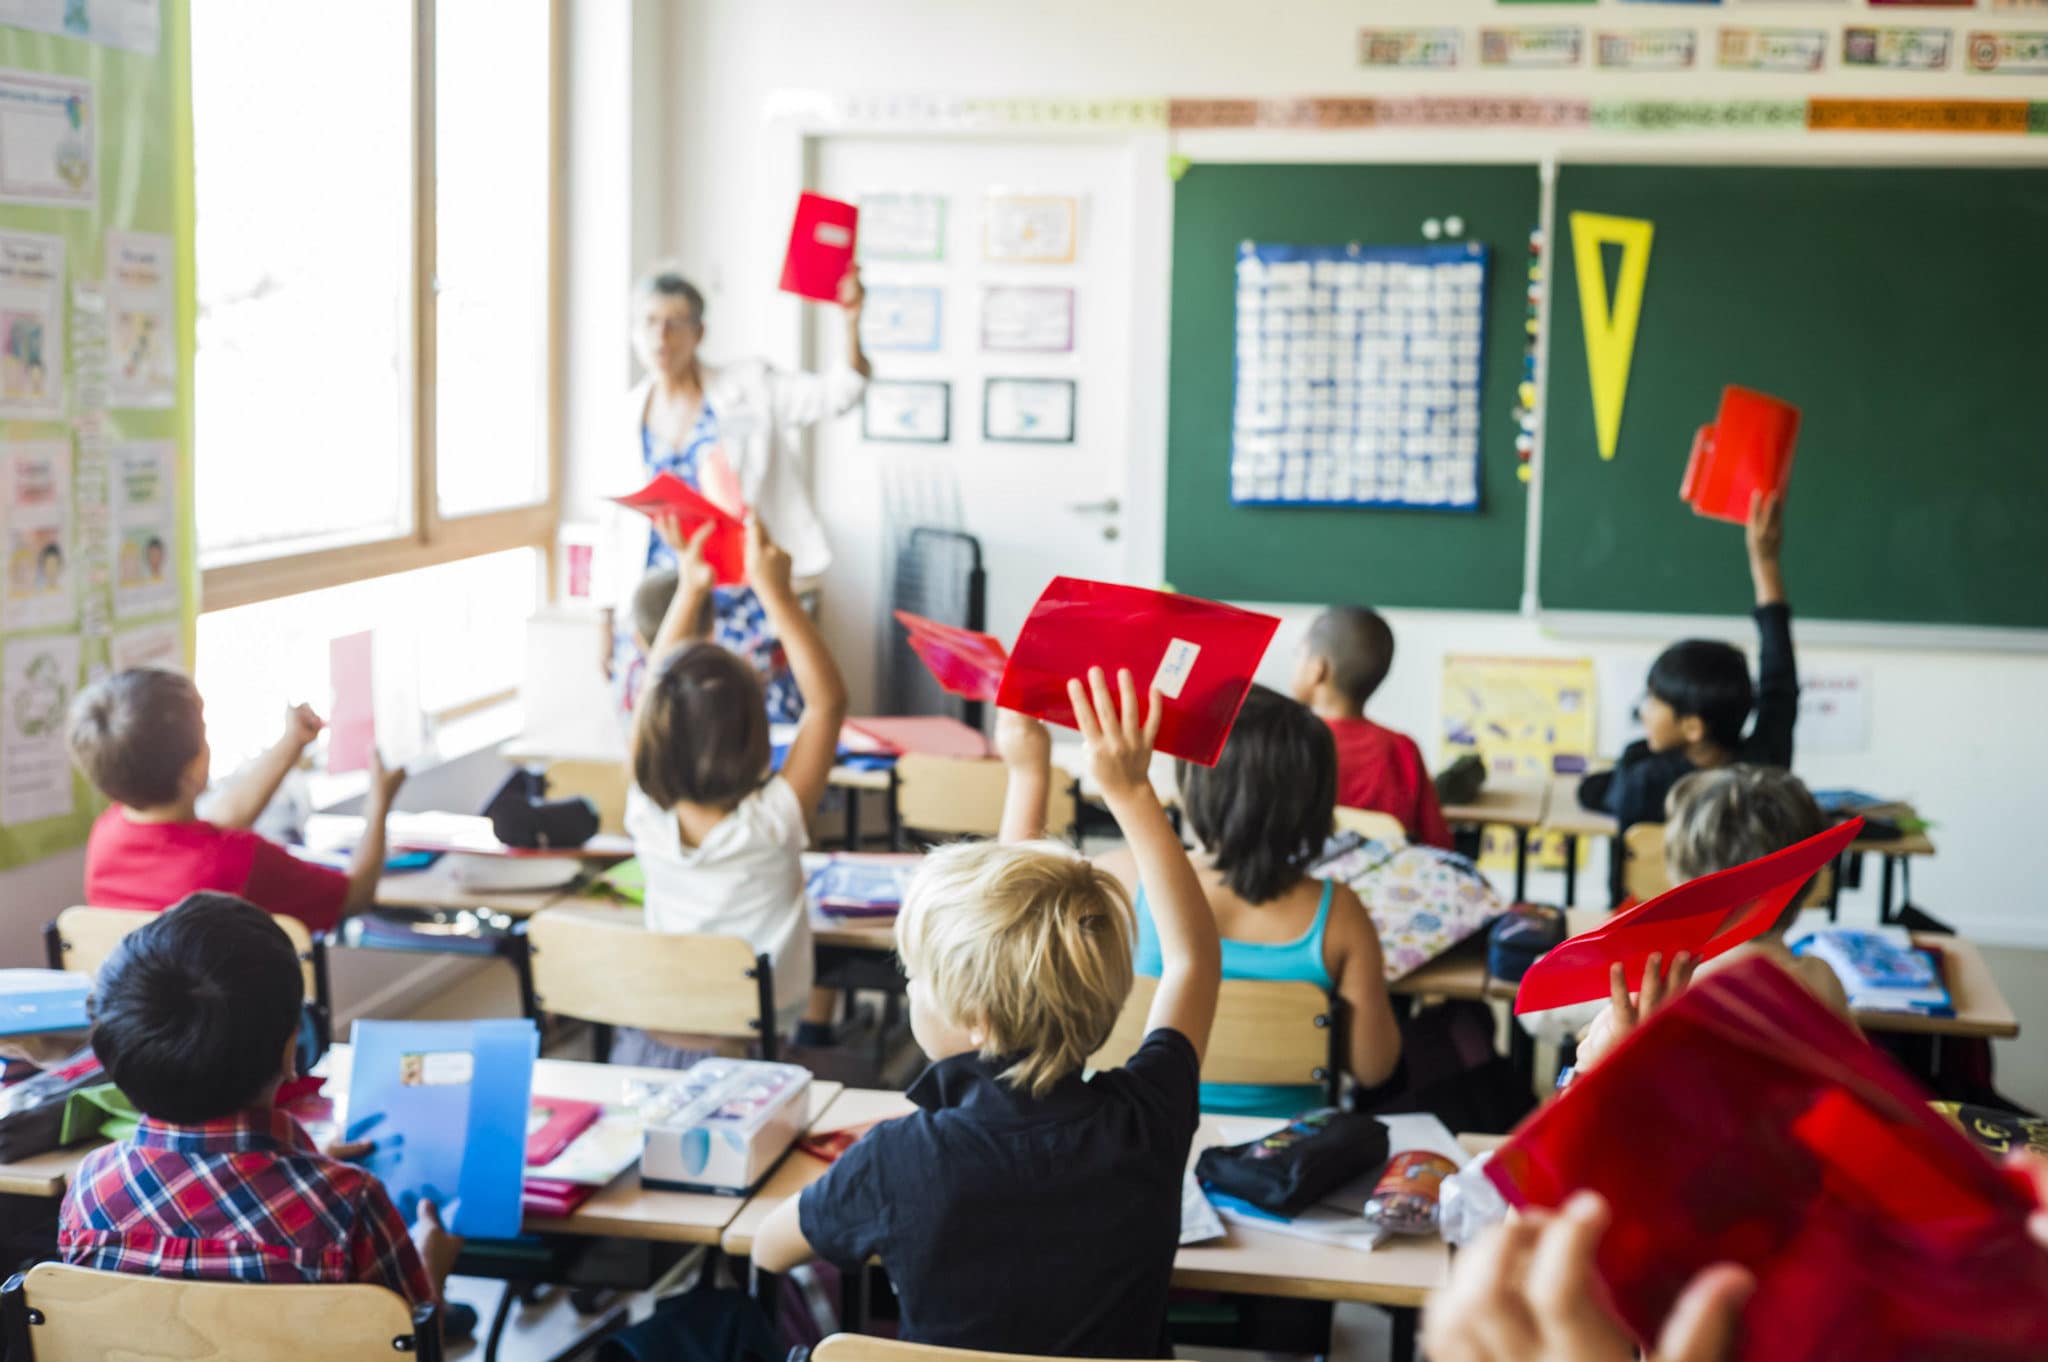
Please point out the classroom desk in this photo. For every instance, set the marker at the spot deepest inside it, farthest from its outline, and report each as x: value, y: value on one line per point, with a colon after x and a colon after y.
x: 853, y: 782
x: 435, y: 887
x: 46, y: 1174
x: 1516, y: 804
x: 1982, y: 1011
x: 1564, y: 816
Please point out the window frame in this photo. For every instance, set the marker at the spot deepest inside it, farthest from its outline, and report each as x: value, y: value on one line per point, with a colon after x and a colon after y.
x: 434, y: 538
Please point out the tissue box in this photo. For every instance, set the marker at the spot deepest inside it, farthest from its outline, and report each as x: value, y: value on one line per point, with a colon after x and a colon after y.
x: 722, y: 1126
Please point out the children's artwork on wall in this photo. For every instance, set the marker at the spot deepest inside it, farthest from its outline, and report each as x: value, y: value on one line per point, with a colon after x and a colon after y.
x: 902, y: 227
x: 1028, y: 410
x: 1527, y: 718
x: 149, y: 645
x: 40, y: 677
x: 1425, y: 47
x: 1610, y: 323
x: 48, y: 127
x: 1017, y: 317
x: 899, y: 317
x: 1030, y: 229
x: 1359, y: 371
x: 41, y: 572
x: 907, y: 412
x: 31, y: 326
x: 2009, y: 54
x: 135, y: 25
x: 1647, y: 49
x: 1543, y: 47
x: 1773, y: 49
x: 145, y: 478
x: 141, y: 312
x: 1905, y: 49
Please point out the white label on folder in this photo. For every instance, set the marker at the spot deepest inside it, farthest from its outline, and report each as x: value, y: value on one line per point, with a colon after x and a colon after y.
x: 440, y: 1069
x: 832, y: 234
x: 1174, y: 668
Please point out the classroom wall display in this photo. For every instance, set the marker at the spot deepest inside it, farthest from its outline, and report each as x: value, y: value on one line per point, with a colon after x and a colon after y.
x: 1358, y: 375
x: 1028, y: 410
x: 1425, y: 47
x: 1647, y: 49
x: 2009, y: 54
x: 902, y: 317
x: 1027, y: 318
x: 1030, y: 229
x: 901, y: 227
x: 1545, y: 47
x: 1527, y: 718
x: 907, y: 412
x: 96, y: 315
x: 1772, y: 49
x: 1906, y: 49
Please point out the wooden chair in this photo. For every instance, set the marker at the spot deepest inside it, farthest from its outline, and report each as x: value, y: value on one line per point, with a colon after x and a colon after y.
x: 1380, y: 827
x: 1277, y: 1032
x: 956, y: 797
x: 56, y: 1313
x: 602, y: 966
x: 1643, y: 875
x: 603, y: 783
x: 865, y: 1348
x: 81, y: 939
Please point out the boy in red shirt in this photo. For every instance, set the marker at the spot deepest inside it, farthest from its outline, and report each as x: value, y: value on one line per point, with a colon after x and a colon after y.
x: 140, y: 738
x: 1347, y: 654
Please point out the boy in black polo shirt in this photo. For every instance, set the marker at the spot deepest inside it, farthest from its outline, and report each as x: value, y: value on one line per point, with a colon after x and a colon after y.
x: 1025, y: 1208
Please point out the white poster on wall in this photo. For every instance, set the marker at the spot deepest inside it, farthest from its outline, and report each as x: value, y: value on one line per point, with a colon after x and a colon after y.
x: 47, y: 127
x: 36, y: 478
x: 142, y: 319
x: 31, y: 326
x: 1834, y: 711
x: 39, y: 675
x: 144, y: 493
x: 136, y: 25
x: 149, y: 645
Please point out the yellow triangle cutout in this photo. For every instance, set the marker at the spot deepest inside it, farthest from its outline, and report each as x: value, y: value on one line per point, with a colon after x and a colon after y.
x: 1610, y: 324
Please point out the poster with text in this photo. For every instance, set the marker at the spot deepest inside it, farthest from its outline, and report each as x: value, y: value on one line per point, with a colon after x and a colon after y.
x: 40, y: 676
x: 149, y: 645
x: 31, y: 326
x: 36, y: 477
x: 47, y: 140
x: 142, y: 320
x: 133, y: 25
x: 145, y: 497
x: 1528, y: 719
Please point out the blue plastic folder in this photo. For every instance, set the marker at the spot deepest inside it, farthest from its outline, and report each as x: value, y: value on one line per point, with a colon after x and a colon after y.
x: 446, y: 1104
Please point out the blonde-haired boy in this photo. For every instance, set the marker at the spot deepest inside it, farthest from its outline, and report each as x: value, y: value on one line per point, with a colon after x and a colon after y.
x: 1029, y: 1207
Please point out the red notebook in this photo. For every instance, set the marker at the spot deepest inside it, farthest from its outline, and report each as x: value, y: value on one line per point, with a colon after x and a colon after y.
x: 926, y: 734
x: 560, y: 1121
x: 1707, y: 916
x: 820, y: 247
x: 1747, y: 1123
x: 1748, y: 449
x: 1200, y: 654
x: 965, y: 663
x: 725, y: 550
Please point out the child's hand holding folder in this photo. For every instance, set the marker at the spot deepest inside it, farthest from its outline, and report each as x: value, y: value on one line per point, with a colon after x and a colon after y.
x: 1119, y: 737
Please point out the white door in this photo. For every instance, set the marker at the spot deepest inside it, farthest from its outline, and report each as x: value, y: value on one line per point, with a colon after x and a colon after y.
x: 1040, y: 508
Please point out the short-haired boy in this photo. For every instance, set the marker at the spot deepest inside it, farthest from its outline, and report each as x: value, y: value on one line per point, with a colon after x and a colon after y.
x: 195, y: 1017
x: 1348, y: 652
x: 140, y: 738
x: 1027, y: 1207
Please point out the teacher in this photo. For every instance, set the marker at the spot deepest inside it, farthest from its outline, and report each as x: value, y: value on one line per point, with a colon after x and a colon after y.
x: 727, y: 430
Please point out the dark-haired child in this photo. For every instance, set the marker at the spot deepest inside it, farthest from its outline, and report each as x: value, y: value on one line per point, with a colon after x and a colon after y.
x: 720, y: 836
x: 1347, y: 654
x: 196, y: 1017
x: 1700, y: 697
x: 140, y: 738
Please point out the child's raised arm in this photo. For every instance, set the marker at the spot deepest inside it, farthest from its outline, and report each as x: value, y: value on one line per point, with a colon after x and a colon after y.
x: 687, y: 609
x: 815, y: 748
x: 243, y: 801
x: 1026, y: 750
x: 1119, y: 742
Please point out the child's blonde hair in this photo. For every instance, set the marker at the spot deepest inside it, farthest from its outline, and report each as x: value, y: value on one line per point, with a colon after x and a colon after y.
x: 1030, y: 943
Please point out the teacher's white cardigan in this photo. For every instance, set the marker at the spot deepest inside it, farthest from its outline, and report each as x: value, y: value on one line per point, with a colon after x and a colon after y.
x: 759, y: 409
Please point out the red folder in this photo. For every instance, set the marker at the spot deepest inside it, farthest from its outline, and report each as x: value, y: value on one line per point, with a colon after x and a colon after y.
x: 556, y: 1197
x: 1748, y: 449
x: 966, y: 664
x: 1747, y: 1123
x: 820, y: 247
x: 725, y: 550
x: 1202, y: 656
x: 561, y: 1120
x: 1707, y: 917
x: 926, y: 734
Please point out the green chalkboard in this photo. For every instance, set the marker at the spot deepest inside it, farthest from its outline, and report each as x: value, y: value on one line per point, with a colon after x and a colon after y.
x: 1449, y: 559
x: 1906, y: 312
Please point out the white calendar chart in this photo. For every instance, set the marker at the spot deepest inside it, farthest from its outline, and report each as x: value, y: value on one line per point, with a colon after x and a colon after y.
x: 1359, y: 371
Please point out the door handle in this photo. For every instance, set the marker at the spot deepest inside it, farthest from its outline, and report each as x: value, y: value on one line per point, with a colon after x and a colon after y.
x: 1107, y: 506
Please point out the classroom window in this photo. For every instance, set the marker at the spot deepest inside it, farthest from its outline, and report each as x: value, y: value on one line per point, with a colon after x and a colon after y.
x: 375, y: 247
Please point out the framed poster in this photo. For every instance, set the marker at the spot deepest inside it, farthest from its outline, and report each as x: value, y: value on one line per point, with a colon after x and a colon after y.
x: 1028, y: 410
x: 902, y: 227
x: 908, y: 412
x: 1027, y: 318
x: 1030, y: 229
x: 899, y: 317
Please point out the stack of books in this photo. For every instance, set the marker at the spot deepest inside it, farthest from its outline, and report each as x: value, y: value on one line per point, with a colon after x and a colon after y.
x: 1881, y: 969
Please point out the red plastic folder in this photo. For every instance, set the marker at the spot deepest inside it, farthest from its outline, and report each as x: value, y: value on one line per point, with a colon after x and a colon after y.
x: 1201, y: 656
x: 725, y: 550
x: 897, y: 735
x: 553, y: 1126
x: 1747, y: 1123
x: 1748, y: 449
x: 965, y: 663
x: 1707, y: 916
x: 820, y: 247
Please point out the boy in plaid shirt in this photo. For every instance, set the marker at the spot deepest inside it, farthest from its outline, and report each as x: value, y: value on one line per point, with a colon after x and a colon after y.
x: 196, y: 1019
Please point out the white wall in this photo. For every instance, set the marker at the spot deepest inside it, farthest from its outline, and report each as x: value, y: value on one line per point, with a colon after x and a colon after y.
x: 1949, y: 729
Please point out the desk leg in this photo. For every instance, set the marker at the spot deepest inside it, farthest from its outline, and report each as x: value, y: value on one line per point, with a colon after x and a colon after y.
x: 1522, y: 1053
x: 1571, y: 870
x: 895, y: 815
x: 520, y: 956
x: 1401, y: 1346
x: 1835, y: 889
x: 1521, y: 865
x: 1884, y: 893
x: 852, y: 817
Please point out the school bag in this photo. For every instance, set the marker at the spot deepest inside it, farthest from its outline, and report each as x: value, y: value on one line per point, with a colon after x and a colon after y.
x: 1423, y: 900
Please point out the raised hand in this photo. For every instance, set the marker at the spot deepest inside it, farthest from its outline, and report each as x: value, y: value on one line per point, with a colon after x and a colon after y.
x: 1119, y: 736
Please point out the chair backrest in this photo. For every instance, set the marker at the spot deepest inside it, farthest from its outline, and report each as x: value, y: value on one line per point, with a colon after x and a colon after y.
x: 864, y: 1348
x: 1267, y: 1031
x: 961, y: 797
x: 1643, y: 875
x: 603, y: 783
x: 1380, y: 827
x: 81, y: 939
x: 56, y: 1313
x: 601, y: 964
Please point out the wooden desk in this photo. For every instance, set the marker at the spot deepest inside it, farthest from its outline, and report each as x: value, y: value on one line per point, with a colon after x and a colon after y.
x: 854, y: 782
x: 1982, y: 1011
x: 1459, y: 972
x: 1566, y: 817
x: 435, y: 887
x: 1517, y: 804
x: 44, y: 1175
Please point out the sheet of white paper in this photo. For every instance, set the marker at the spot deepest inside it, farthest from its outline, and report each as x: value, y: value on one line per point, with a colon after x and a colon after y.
x: 902, y: 227
x: 1834, y: 710
x: 1029, y: 228
x: 1030, y: 319
x: 913, y: 411
x: 149, y: 645
x: 901, y: 318
x: 47, y: 132
x: 1033, y: 410
x: 1199, y: 1222
x: 145, y: 500
x: 37, y: 513
x: 31, y: 325
x: 41, y: 676
x: 142, y: 314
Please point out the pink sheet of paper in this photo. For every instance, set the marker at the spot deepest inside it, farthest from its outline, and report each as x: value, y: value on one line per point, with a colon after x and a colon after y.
x: 352, y: 719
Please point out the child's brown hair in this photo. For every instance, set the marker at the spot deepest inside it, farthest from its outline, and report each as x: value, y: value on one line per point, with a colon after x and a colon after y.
x: 701, y: 732
x: 135, y: 732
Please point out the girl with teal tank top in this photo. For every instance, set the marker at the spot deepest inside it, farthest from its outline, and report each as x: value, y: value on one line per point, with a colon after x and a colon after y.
x: 1260, y: 817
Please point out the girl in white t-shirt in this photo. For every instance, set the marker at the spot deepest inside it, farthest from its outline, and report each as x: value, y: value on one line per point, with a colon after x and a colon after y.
x: 719, y: 837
